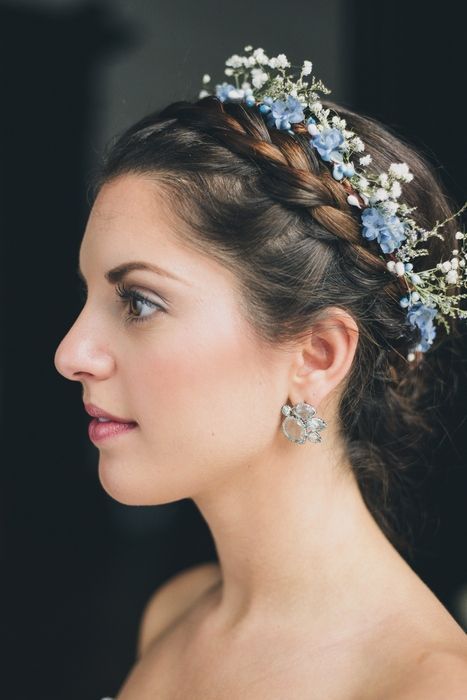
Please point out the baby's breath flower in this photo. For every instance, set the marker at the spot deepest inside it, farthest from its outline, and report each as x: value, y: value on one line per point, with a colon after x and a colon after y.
x: 383, y: 179
x: 399, y: 170
x: 206, y: 78
x: 358, y: 144
x: 307, y: 67
x: 259, y: 77
x: 390, y: 207
x: 396, y: 190
x: 234, y: 61
x: 380, y: 195
x: 282, y: 61
x: 365, y: 160
x: 260, y: 56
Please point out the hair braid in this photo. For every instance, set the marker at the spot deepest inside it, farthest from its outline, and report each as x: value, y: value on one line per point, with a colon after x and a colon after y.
x: 290, y: 173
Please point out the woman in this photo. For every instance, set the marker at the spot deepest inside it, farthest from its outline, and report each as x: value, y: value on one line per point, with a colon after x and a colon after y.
x: 244, y: 345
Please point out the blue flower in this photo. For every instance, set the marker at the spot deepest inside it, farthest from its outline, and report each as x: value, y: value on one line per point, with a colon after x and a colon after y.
x: 342, y: 169
x: 282, y: 113
x: 222, y: 91
x: 328, y: 144
x: 389, y: 231
x: 422, y: 316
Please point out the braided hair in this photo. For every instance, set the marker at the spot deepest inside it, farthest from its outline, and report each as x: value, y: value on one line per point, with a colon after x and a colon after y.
x: 262, y: 203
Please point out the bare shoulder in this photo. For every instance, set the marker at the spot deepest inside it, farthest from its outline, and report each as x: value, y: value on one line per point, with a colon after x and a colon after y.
x: 172, y: 599
x: 437, y: 675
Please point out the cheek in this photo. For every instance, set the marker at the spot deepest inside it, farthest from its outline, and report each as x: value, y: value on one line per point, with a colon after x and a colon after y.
x: 205, y: 392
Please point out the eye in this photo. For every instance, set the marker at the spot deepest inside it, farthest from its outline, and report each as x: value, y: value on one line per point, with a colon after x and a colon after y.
x: 134, y: 301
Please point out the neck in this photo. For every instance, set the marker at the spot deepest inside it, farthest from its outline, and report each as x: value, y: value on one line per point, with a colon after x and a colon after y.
x: 294, y: 536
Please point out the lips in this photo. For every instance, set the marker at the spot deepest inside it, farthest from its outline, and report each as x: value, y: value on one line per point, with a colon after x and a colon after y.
x: 105, y: 426
x: 97, y: 412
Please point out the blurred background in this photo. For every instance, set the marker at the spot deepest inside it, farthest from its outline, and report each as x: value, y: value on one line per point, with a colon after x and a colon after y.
x: 76, y: 566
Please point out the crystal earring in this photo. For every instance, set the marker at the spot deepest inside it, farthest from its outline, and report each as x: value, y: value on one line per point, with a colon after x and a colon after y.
x: 301, y: 423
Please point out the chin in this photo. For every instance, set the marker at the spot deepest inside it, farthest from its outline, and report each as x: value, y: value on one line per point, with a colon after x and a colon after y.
x: 126, y: 483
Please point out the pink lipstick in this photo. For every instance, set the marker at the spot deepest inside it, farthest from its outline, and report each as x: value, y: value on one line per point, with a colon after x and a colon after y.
x: 104, y: 425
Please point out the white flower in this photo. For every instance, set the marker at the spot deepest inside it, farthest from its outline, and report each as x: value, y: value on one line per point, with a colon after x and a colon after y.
x: 455, y: 251
x: 459, y: 235
x: 390, y: 207
x: 391, y: 265
x: 259, y: 77
x: 365, y: 160
x: 454, y: 264
x: 260, y: 56
x: 229, y: 71
x: 202, y: 93
x: 234, y: 61
x: 206, y: 78
x: 400, y: 171
x: 451, y: 277
x: 250, y: 61
x: 316, y: 106
x: 247, y: 48
x: 362, y: 183
x: 383, y: 179
x: 282, y: 61
x: 245, y: 85
x: 358, y: 144
x: 445, y: 266
x: 411, y: 356
x: 272, y: 63
x: 396, y: 190
x: 380, y: 195
x: 462, y: 262
x: 307, y: 67
x: 400, y: 269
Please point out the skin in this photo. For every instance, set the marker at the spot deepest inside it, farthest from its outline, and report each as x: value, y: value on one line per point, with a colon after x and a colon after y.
x: 304, y: 565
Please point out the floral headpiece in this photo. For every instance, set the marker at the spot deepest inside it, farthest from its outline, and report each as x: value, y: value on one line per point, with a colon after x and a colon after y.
x: 282, y: 100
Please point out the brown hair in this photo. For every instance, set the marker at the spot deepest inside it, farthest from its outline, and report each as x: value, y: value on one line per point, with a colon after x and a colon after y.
x: 262, y: 203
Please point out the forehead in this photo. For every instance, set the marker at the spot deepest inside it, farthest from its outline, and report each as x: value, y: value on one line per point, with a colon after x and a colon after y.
x: 131, y: 219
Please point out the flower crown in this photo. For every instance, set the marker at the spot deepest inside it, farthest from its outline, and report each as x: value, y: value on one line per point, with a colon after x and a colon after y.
x: 282, y: 100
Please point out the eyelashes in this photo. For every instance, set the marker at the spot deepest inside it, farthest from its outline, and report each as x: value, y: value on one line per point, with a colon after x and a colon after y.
x: 130, y: 299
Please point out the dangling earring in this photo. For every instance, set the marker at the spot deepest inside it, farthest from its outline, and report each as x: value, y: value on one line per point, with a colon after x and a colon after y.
x: 301, y: 423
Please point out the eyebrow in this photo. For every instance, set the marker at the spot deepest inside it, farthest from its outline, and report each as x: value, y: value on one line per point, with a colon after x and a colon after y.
x: 116, y: 274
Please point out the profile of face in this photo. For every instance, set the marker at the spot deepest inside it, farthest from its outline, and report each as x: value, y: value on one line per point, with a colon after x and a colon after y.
x: 178, y: 358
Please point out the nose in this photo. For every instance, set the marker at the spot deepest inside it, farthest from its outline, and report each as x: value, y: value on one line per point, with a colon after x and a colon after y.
x: 84, y: 351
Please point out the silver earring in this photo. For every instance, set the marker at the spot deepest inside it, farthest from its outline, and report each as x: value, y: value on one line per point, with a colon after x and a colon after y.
x: 301, y: 423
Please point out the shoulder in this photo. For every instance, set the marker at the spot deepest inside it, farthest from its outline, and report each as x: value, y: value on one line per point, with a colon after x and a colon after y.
x: 437, y: 675
x: 172, y: 599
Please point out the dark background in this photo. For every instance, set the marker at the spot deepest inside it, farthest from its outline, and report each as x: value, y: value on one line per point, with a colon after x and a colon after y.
x: 76, y: 566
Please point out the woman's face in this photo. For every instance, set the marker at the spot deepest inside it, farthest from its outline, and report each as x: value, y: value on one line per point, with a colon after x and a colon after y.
x: 204, y: 392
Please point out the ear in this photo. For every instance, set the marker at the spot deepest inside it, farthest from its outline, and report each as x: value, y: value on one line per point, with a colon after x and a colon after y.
x: 324, y: 358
